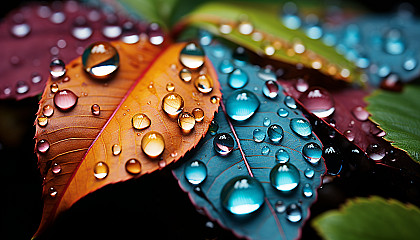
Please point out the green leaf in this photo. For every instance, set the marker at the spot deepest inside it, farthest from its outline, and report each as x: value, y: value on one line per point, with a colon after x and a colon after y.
x: 398, y: 114
x: 266, y: 21
x: 370, y: 218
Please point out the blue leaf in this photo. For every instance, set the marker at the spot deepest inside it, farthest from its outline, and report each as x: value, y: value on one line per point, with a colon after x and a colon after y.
x: 252, y: 160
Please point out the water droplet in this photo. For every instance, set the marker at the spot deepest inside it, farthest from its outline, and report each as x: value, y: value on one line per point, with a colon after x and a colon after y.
x: 170, y: 87
x: 47, y: 111
x: 394, y: 43
x: 270, y: 89
x: 282, y: 156
x: 133, y: 166
x: 54, y: 87
x: 214, y: 126
x: 245, y: 27
x: 96, y: 109
x: 312, y: 152
x: 293, y: 213
x: 290, y: 102
x: 130, y: 33
x: 185, y: 75
x: 186, y: 121
x: 153, y: 144
x: 226, y: 66
x: 100, y: 60
x: 57, y: 17
x: 36, y: 78
x: 172, y: 104
x: 215, y: 99
x: 240, y: 57
x: 57, y: 68
x: 307, y: 190
x: 192, y: 56
x: 268, y: 48
x: 301, y: 127
x: 242, y: 195
x: 266, y: 74
x: 42, y: 146
x: 195, y: 172
x: 314, y: 32
x: 309, y: 173
x: 282, y: 112
x: 155, y: 33
x: 266, y: 122
x: 101, y: 170
x: 42, y: 121
x: 65, y: 100
x: 116, y: 149
x: 258, y: 135
x: 265, y: 150
x: 360, y: 113
x: 56, y: 168
x: 198, y: 114
x: 349, y: 135
x: 280, y: 207
x: 223, y: 143
x: 318, y: 101
x: 21, y: 29
x: 375, y: 152
x: 237, y: 79
x: 275, y: 133
x: 203, y: 83
x: 111, y: 30
x: 205, y: 37
x: 81, y: 30
x: 241, y: 105
x: 291, y: 21
x: 52, y: 191
x: 410, y: 64
x: 284, y: 177
x: 225, y: 28
x: 22, y: 87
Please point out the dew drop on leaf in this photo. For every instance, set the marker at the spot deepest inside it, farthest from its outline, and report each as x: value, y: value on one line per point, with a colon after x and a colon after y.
x: 42, y: 121
x: 65, y: 100
x: 52, y: 192
x: 101, y: 170
x: 265, y: 150
x: 318, y: 101
x: 56, y: 168
x: 54, y: 87
x: 192, y: 56
x: 203, y: 83
x: 153, y: 144
x: 258, y: 135
x: 309, y: 173
x: 307, y: 190
x: 226, y: 66
x: 214, y: 127
x: 95, y: 109
x: 42, y: 146
x: 241, y: 105
x: 172, y: 104
x: 360, y: 113
x: 81, y: 30
x: 198, y: 114
x: 312, y: 152
x: 100, y: 60
x: 186, y: 121
x: 133, y: 166
x: 280, y: 207
x: 57, y: 68
x: 237, y: 79
x: 284, y: 177
x: 375, y: 152
x: 170, y: 87
x: 301, y: 127
x: 293, y: 213
x: 185, y: 75
x: 140, y: 121
x: 282, y: 156
x: 223, y: 143
x: 116, y: 149
x: 22, y: 87
x: 275, y: 133
x: 270, y: 89
x: 195, y: 172
x: 290, y: 102
x: 47, y: 111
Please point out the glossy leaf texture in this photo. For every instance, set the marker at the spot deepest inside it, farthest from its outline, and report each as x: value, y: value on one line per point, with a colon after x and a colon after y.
x: 398, y: 114
x: 370, y: 218
x: 35, y: 34
x: 261, y: 30
x: 253, y: 154
x: 117, y: 129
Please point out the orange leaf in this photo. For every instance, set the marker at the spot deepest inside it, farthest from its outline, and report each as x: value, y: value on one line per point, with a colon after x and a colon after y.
x: 77, y: 142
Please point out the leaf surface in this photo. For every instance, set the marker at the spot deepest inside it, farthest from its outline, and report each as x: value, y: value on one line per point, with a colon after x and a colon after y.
x: 248, y: 159
x: 79, y: 140
x: 370, y: 218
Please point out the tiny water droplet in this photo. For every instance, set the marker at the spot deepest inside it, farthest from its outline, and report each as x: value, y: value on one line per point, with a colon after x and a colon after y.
x: 226, y: 66
x: 47, y: 111
x: 192, y: 56
x: 284, y: 177
x: 360, y: 113
x: 266, y: 122
x: 223, y: 143
x: 170, y: 87
x: 52, y: 191
x: 36, y: 78
x: 65, y: 100
x: 133, y: 166
x: 282, y: 156
x: 270, y: 89
x: 42, y: 121
x: 291, y: 21
x: 101, y: 170
x: 299, y: 48
x: 225, y: 28
x: 245, y: 27
x: 301, y: 127
x: 280, y: 207
x: 100, y: 60
x: 42, y: 146
x: 375, y: 152
x: 195, y: 172
x: 57, y: 17
x: 241, y: 105
x: 54, y: 87
x: 309, y: 173
x: 198, y: 114
x: 186, y: 121
x: 307, y: 190
x: 22, y: 87
x: 185, y: 75
x: 56, y: 168
x: 237, y: 79
x: 410, y: 64
x: 81, y: 30
x: 172, y: 104
x: 155, y: 33
x: 394, y: 42
x: 301, y: 85
x: 318, y: 101
x: 203, y: 83
x: 242, y: 195
x: 57, y: 68
x: 349, y: 135
x: 293, y: 213
x: 214, y: 126
x: 312, y: 152
x: 282, y: 112
x: 205, y: 37
x: 116, y: 149
x: 258, y: 135
x: 153, y: 144
x: 268, y: 48
x: 95, y: 109
x: 275, y: 133
x: 215, y: 99
x: 290, y: 102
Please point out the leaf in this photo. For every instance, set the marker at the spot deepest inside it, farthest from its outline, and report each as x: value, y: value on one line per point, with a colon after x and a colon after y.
x: 370, y: 218
x: 79, y: 140
x: 398, y: 114
x: 274, y: 40
x: 25, y: 60
x: 247, y: 159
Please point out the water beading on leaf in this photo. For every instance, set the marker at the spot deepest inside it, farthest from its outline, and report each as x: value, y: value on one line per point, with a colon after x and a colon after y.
x: 257, y: 170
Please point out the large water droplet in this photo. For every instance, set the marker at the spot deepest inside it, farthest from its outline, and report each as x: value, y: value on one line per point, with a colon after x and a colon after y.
x: 116, y: 149
x: 185, y: 75
x: 241, y: 105
x: 284, y: 177
x: 275, y: 133
x: 101, y: 170
x: 20, y: 29
x: 48, y: 111
x: 56, y: 168
x: 293, y: 213
x: 301, y: 127
x: 360, y: 113
x: 172, y: 104
x: 100, y: 60
x: 42, y: 121
x: 57, y: 68
x: 95, y: 109
x: 65, y: 100
x: 192, y: 56
x: 258, y: 135
x: 318, y: 101
x: 186, y: 121
x: 282, y: 156
x: 140, y: 121
x: 375, y: 152
x: 307, y: 190
x: 242, y: 195
x: 153, y: 144
x: 203, y: 83
x: 226, y: 66
x: 270, y: 89
x: 81, y: 30
x: 282, y: 112
x: 42, y: 146
x: 195, y: 172
x: 290, y: 102
x: 394, y: 42
x: 237, y: 79
x: 312, y: 152
x: 133, y: 166
x: 223, y: 143
x: 198, y: 114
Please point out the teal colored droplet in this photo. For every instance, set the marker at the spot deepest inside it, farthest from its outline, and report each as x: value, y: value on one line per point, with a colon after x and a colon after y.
x: 226, y: 66
x: 242, y: 195
x: 282, y: 112
x: 290, y: 102
x: 205, y: 37
x: 265, y: 150
x: 301, y: 127
x: 240, y: 57
x: 307, y: 190
x: 237, y: 79
x: 312, y: 152
x: 195, y: 172
x: 394, y: 43
x: 223, y: 143
x: 218, y: 51
x: 214, y: 126
x: 282, y: 156
x: 291, y: 21
x: 275, y: 133
x: 266, y: 122
x: 309, y: 173
x: 266, y: 74
x: 284, y: 177
x: 270, y: 89
x: 410, y: 64
x: 241, y: 105
x: 258, y: 135
x: 293, y: 213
